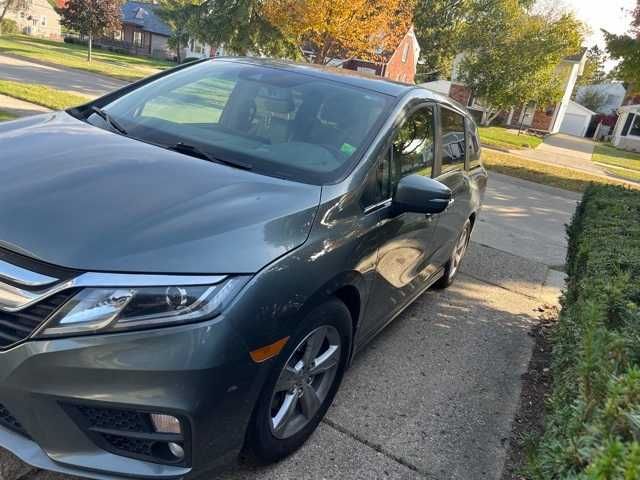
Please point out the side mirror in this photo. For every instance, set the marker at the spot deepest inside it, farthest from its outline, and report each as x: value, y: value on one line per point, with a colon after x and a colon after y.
x: 419, y: 194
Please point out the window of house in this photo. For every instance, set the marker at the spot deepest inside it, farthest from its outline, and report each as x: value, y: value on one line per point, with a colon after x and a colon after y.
x: 368, y: 70
x: 137, y: 38
x: 43, y: 20
x: 453, y: 140
x: 405, y: 53
x: 632, y: 126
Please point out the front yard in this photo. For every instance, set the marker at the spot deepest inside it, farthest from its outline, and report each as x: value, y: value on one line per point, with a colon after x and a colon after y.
x: 618, y: 162
x: 41, y: 95
x: 505, y: 138
x: 4, y: 116
x: 538, y: 172
x: 124, y: 67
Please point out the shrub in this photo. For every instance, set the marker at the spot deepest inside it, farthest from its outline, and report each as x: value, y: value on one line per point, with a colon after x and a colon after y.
x: 592, y: 428
x: 8, y: 26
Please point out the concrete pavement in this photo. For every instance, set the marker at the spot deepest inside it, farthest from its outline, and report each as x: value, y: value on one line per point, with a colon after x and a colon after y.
x: 76, y: 81
x: 20, y: 108
x: 434, y: 395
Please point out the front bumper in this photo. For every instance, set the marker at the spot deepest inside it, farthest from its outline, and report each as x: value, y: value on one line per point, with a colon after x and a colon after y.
x: 200, y: 372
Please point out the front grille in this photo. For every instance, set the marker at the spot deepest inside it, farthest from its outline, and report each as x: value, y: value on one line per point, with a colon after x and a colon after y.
x: 116, y: 419
x: 9, y: 421
x: 128, y: 433
x: 16, y: 326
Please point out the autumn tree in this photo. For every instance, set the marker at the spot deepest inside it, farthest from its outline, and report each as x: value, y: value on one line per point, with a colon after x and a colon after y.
x: 594, y: 67
x: 626, y: 49
x: 92, y: 18
x: 513, y: 56
x: 341, y: 28
x: 179, y: 15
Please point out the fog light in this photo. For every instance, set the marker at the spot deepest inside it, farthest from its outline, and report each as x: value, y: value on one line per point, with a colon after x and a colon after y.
x: 176, y: 450
x: 166, y: 424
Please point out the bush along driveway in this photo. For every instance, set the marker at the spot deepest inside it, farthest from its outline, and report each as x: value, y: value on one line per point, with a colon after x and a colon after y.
x: 593, y: 422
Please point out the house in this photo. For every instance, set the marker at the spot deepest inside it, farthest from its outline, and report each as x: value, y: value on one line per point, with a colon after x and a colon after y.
x: 542, y: 118
x: 626, y: 133
x: 613, y: 94
x: 399, y: 64
x: 35, y: 17
x: 143, y: 31
x: 442, y: 87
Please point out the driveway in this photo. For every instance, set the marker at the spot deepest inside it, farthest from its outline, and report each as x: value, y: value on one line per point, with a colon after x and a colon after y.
x: 565, y: 151
x: 19, y: 70
x: 434, y: 395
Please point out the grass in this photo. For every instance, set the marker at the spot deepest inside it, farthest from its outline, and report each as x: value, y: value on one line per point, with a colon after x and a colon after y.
x: 560, y: 177
x: 4, y: 116
x: 614, y: 156
x: 41, y: 95
x: 501, y: 137
x: 592, y: 420
x: 124, y: 67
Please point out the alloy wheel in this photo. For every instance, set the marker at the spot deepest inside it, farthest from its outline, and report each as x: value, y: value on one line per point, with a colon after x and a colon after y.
x: 305, y: 381
x: 460, y: 249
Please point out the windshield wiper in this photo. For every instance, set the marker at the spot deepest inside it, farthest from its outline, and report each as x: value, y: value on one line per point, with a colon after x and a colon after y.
x: 194, y: 151
x: 109, y: 120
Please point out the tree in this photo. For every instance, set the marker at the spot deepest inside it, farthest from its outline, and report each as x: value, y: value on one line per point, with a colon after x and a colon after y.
x: 439, y: 26
x: 593, y: 67
x: 179, y: 15
x: 341, y: 28
x: 513, y: 56
x: 92, y: 18
x: 626, y: 49
x: 12, y: 6
x: 239, y: 25
x: 592, y: 99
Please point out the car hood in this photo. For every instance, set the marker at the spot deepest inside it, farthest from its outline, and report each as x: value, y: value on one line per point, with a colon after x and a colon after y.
x: 81, y: 197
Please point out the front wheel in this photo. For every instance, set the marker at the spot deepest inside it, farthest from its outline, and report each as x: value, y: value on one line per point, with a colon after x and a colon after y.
x: 302, y: 383
x: 452, y: 266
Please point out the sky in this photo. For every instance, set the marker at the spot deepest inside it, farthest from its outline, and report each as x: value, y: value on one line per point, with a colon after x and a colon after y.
x: 612, y: 15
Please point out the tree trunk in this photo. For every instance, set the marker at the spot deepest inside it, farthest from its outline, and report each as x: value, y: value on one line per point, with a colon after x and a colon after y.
x: 490, y: 117
x: 178, y: 51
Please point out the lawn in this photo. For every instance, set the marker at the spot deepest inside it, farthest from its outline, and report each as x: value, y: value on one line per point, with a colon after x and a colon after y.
x: 618, y: 158
x: 501, y: 137
x: 124, y: 67
x: 4, y: 116
x: 41, y: 95
x: 537, y: 172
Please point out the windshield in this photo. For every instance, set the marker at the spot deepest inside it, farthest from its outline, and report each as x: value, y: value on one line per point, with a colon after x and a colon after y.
x: 270, y: 120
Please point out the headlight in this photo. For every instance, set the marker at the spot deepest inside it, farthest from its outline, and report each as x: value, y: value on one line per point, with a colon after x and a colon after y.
x: 122, y: 308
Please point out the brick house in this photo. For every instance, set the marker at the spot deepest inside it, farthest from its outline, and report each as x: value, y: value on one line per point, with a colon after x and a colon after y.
x: 399, y: 64
x: 35, y: 17
x: 541, y: 118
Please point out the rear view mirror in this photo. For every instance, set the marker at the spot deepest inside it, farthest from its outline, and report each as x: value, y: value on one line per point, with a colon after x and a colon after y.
x: 419, y: 194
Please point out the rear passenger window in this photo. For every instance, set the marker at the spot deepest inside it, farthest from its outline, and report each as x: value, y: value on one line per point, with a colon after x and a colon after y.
x: 474, y: 145
x: 413, y: 145
x: 453, y: 140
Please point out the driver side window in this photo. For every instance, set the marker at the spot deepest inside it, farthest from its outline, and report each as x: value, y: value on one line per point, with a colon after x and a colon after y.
x: 412, y: 152
x: 413, y: 146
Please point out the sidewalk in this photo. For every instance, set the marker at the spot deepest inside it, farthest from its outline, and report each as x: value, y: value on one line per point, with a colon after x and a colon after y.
x: 20, y: 108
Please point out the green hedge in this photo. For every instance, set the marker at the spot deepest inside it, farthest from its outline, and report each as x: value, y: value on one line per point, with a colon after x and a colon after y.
x: 8, y: 26
x: 592, y: 427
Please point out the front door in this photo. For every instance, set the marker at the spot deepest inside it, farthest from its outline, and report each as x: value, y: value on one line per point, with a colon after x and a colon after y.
x: 405, y: 259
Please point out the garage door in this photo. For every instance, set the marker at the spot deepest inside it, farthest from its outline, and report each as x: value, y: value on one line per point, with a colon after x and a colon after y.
x: 573, y: 124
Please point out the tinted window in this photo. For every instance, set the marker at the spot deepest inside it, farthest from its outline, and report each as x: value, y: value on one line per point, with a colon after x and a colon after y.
x: 453, y: 140
x: 413, y: 145
x: 474, y: 144
x: 279, y: 122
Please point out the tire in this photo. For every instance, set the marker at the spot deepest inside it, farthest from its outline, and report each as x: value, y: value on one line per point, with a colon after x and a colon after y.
x: 452, y: 267
x: 269, y: 441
